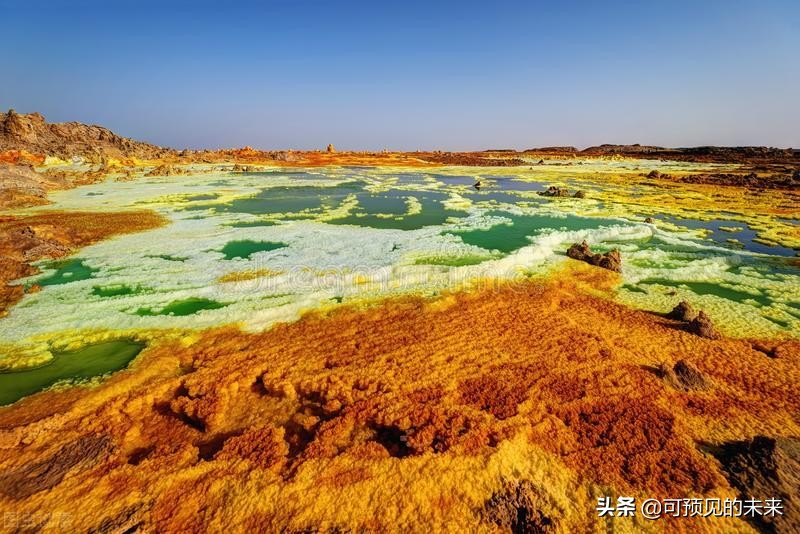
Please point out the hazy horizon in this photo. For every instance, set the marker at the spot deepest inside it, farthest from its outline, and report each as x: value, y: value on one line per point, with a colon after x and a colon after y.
x: 409, y: 76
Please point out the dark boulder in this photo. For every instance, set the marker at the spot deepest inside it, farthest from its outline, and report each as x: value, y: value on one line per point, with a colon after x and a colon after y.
x: 684, y: 376
x: 610, y: 260
x: 519, y: 507
x: 682, y: 312
x: 702, y: 326
x: 767, y: 468
x: 554, y: 191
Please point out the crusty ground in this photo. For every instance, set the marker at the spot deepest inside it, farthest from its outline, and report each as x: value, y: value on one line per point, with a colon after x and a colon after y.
x: 413, y: 415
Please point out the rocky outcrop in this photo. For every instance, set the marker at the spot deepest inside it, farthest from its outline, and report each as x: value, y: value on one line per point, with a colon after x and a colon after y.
x: 610, y: 260
x: 682, y: 312
x: 31, y: 133
x: 165, y: 170
x: 27, y: 480
x: 331, y: 149
x: 21, y: 185
x: 702, y: 326
x: 767, y: 468
x: 519, y: 507
x: 684, y: 376
x: 785, y: 180
x: 554, y: 191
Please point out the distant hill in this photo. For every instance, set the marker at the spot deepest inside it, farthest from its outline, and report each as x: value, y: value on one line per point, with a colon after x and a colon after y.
x: 32, y: 133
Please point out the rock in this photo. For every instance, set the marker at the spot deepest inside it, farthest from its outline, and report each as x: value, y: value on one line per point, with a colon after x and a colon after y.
x: 684, y: 376
x: 650, y: 220
x: 477, y: 185
x: 610, y: 260
x: 31, y: 133
x: 237, y: 168
x: 682, y: 312
x: 331, y: 149
x: 519, y: 507
x: 554, y: 191
x: 702, y: 326
x: 767, y: 468
x: 654, y: 174
x: 579, y: 194
x: 23, y: 481
x: 165, y: 170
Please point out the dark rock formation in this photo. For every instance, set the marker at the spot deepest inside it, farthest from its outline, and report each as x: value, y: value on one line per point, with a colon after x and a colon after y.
x: 702, y: 326
x: 26, y: 480
x: 331, y: 149
x: 767, y: 468
x: 683, y: 312
x: 579, y: 194
x: 610, y: 260
x: 650, y: 220
x: 684, y: 376
x: 554, y: 191
x: 518, y: 508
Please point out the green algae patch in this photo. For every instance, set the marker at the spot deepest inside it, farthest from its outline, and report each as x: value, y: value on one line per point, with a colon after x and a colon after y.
x: 76, y: 366
x: 119, y: 290
x: 452, y: 261
x: 183, y: 307
x: 67, y: 271
x: 714, y: 289
x: 252, y: 224
x: 246, y: 248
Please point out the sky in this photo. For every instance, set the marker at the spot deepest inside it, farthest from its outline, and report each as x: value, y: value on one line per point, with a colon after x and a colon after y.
x: 373, y: 75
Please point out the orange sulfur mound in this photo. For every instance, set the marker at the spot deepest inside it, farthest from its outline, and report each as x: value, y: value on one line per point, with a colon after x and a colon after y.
x: 415, y: 415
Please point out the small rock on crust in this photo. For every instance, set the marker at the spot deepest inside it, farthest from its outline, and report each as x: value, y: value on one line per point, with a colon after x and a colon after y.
x: 684, y: 376
x: 554, y: 191
x: 650, y: 220
x: 682, y: 312
x: 767, y: 468
x: 579, y: 194
x: 518, y: 508
x: 610, y: 260
x: 703, y: 326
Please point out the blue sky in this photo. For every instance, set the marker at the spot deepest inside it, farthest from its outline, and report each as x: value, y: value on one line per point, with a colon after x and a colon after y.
x: 410, y: 75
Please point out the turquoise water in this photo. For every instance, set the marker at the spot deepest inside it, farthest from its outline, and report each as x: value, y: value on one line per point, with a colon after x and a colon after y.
x: 67, y: 271
x: 286, y: 200
x: 88, y: 362
x: 390, y: 211
x: 508, y: 237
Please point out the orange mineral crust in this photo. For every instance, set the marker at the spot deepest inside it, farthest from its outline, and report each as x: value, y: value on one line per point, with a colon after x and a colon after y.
x: 457, y: 414
x: 56, y: 234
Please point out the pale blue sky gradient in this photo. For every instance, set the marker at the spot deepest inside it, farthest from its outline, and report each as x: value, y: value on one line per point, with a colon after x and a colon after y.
x: 410, y: 75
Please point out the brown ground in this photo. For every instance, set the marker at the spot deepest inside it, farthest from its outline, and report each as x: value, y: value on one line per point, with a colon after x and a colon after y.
x: 410, y: 415
x: 24, y: 240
